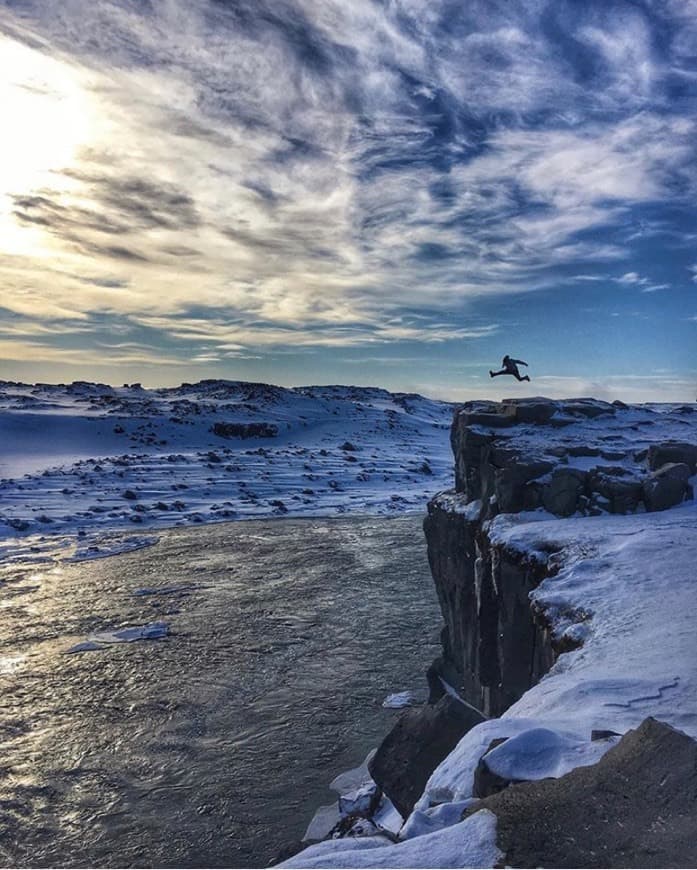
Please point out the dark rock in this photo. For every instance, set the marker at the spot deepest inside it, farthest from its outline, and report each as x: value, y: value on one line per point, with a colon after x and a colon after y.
x: 622, y: 496
x: 673, y: 451
x: 612, y: 470
x: 600, y: 734
x: 666, y: 487
x: 129, y: 494
x: 613, y: 455
x: 561, y: 495
x: 470, y: 449
x: 245, y: 430
x: 509, y: 483
x: 416, y: 745
x: 348, y: 446
x: 583, y: 450
x: 486, y: 782
x: 17, y: 524
x: 637, y: 807
x: 490, y: 628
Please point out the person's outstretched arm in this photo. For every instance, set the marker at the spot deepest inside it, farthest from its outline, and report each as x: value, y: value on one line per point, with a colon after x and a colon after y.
x: 519, y: 362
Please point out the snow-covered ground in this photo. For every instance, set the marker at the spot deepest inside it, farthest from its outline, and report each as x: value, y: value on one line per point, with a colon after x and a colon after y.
x: 82, y: 464
x: 96, y: 459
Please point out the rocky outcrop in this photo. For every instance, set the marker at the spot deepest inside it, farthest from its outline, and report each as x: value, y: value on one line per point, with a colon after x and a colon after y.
x: 245, y: 430
x: 417, y: 744
x: 637, y: 807
x: 509, y: 456
x: 577, y: 457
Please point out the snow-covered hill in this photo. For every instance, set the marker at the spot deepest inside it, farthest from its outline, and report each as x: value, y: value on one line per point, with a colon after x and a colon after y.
x: 92, y: 457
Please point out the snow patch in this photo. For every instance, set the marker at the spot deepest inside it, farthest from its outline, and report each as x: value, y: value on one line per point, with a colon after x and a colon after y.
x: 470, y: 843
x: 402, y: 699
x: 539, y: 753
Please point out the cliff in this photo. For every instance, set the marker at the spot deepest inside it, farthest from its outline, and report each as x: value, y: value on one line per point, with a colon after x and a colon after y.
x: 568, y: 649
x: 581, y: 457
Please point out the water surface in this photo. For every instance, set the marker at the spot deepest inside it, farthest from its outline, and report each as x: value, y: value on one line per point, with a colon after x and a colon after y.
x: 212, y: 747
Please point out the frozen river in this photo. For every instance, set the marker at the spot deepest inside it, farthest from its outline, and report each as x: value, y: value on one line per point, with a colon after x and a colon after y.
x: 214, y: 746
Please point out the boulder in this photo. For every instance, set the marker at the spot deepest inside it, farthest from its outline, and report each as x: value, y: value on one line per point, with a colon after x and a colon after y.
x: 666, y: 487
x: 510, y: 481
x: 673, y: 451
x: 561, y: 495
x: 621, y: 495
x: 416, y: 745
x: 637, y: 807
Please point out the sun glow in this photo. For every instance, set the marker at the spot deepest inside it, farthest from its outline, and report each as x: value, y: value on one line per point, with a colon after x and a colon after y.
x: 46, y: 119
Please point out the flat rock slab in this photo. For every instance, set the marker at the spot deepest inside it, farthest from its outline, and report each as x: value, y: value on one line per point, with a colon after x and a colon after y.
x: 637, y: 807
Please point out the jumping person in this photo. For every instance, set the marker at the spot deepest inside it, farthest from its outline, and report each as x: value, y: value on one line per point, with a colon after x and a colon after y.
x: 510, y: 367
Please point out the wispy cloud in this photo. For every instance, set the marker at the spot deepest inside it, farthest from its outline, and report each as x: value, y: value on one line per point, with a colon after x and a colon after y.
x: 303, y: 172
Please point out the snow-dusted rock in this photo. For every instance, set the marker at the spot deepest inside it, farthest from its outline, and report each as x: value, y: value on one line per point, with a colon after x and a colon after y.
x: 672, y: 451
x: 361, y: 801
x: 513, y: 456
x: 636, y: 807
x: 667, y: 486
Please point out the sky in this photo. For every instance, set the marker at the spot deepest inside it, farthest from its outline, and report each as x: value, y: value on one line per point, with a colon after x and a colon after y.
x: 383, y: 192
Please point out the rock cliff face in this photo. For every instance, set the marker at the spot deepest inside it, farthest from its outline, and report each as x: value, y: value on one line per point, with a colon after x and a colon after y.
x: 567, y: 457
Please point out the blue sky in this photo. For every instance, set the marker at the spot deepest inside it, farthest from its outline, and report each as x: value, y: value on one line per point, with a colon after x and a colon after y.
x: 317, y: 191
